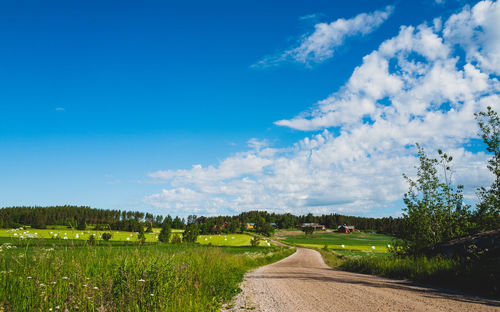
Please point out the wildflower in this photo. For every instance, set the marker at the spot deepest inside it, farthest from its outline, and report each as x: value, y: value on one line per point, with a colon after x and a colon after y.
x: 65, y: 237
x: 15, y: 234
x: 84, y: 285
x: 77, y: 236
x: 42, y: 285
x: 29, y: 277
x: 232, y: 237
x: 89, y: 298
x: 57, y: 307
x: 64, y: 277
x: 128, y: 238
x: 53, y: 283
x: 55, y: 234
x: 141, y: 280
x: 205, y: 239
x: 373, y: 247
x: 50, y: 309
x: 152, y: 295
x: 96, y: 288
x: 389, y: 246
x: 342, y: 246
x: 36, y: 233
x: 268, y: 244
x: 88, y: 278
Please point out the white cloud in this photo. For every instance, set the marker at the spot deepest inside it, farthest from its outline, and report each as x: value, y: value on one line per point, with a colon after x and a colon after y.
x: 477, y: 31
x: 321, y: 44
x: 414, y: 88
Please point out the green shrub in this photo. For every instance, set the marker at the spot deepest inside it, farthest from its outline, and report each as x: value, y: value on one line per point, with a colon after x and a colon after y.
x: 106, y: 236
x: 176, y: 239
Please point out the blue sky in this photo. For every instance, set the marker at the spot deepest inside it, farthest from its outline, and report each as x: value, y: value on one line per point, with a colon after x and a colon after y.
x: 111, y: 104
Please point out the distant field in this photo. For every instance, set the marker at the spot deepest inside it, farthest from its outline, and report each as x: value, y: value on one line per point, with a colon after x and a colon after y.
x: 65, y: 233
x: 59, y: 233
x: 357, y: 243
x: 229, y: 240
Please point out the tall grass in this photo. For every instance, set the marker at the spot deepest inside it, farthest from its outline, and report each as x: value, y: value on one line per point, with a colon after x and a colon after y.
x: 102, y: 278
x: 479, y: 276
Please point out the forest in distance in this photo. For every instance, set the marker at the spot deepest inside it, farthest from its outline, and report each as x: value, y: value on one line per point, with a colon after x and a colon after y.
x: 76, y: 216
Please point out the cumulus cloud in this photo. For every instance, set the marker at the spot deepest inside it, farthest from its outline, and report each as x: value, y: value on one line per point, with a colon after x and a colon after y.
x: 320, y: 45
x: 423, y: 85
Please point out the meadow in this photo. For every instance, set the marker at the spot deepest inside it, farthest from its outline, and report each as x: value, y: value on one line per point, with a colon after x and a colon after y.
x: 64, y: 233
x: 354, y: 244
x: 71, y: 275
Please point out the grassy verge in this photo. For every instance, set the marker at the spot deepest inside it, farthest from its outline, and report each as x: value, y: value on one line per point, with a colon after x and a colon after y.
x: 480, y: 277
x: 110, y: 277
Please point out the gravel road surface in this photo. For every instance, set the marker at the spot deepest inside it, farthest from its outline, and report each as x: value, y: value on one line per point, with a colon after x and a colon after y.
x: 303, y: 282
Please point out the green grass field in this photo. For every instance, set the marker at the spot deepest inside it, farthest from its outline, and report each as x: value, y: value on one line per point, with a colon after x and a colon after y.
x: 70, y: 234
x: 70, y: 275
x: 230, y: 240
x: 59, y: 233
x: 354, y: 244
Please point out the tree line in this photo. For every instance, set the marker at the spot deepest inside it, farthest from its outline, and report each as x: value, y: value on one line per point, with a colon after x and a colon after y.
x: 101, y: 219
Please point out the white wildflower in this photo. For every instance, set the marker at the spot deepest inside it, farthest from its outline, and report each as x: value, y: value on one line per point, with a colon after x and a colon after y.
x: 342, y: 246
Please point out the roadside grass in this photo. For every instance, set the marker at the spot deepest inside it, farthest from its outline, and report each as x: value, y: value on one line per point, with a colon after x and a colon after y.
x: 480, y: 277
x: 49, y: 275
x: 357, y: 243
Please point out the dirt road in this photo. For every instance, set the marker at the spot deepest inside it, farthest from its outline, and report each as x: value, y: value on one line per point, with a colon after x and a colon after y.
x: 303, y: 282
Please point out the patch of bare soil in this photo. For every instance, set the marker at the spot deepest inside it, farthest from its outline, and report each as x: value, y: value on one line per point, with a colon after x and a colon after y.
x: 303, y: 282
